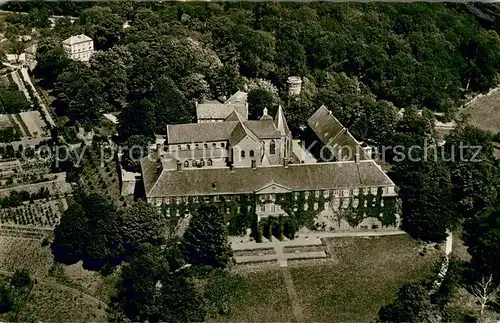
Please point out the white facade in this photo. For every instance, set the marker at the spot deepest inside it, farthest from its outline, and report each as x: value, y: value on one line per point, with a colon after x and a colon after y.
x: 79, y: 47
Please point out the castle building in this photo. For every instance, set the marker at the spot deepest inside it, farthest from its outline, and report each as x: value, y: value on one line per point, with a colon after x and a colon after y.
x: 79, y: 47
x: 222, y: 162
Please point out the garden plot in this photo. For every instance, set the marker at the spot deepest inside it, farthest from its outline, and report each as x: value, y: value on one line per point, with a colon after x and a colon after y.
x: 5, y: 121
x: 58, y: 186
x: 34, y: 123
x: 17, y: 253
x: 40, y: 214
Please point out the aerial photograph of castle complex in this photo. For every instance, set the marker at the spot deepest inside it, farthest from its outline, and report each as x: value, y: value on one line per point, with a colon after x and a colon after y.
x: 191, y: 161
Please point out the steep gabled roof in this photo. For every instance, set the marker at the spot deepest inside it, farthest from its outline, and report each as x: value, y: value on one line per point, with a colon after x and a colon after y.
x: 220, y: 110
x: 263, y: 128
x: 238, y: 97
x: 334, y: 135
x: 199, y: 132
x: 280, y: 122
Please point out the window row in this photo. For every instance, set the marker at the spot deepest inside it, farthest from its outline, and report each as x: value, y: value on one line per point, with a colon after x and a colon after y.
x: 251, y: 153
x: 197, y: 163
x: 81, y: 50
x: 198, y: 146
x: 272, y: 208
x: 338, y: 193
x: 198, y: 199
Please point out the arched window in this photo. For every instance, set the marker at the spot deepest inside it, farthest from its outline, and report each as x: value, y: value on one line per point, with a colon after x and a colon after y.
x: 188, y: 147
x: 193, y: 163
x: 214, y: 144
x: 209, y: 162
x: 272, y: 147
x: 242, y: 154
x: 186, y: 163
x: 179, y: 147
x: 206, y: 146
x: 251, y: 154
x: 222, y: 144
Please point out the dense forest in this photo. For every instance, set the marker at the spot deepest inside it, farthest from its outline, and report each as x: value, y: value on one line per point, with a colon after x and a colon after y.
x: 358, y: 59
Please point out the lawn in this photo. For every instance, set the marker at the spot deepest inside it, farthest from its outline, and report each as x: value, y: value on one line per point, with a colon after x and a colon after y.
x: 263, y: 298
x: 368, y: 273
x: 484, y: 112
x: 61, y: 293
x: 56, y: 303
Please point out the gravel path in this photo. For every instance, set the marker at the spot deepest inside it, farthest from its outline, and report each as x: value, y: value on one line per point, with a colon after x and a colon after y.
x: 297, y: 308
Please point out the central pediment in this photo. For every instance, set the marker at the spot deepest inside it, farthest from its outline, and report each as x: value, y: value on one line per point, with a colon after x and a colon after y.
x: 273, y: 187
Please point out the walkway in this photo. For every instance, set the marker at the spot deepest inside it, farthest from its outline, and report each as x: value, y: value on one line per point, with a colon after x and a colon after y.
x: 313, y: 243
x: 297, y: 308
x: 446, y: 262
x: 27, y: 79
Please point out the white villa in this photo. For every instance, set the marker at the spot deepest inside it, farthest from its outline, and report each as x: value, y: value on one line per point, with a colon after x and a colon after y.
x: 79, y: 47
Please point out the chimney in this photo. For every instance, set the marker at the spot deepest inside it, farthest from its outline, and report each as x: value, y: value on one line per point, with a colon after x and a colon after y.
x: 179, y: 166
x: 356, y: 157
x: 195, y: 103
x: 158, y: 148
x: 264, y: 112
x: 285, y: 162
x: 254, y: 164
x: 159, y: 166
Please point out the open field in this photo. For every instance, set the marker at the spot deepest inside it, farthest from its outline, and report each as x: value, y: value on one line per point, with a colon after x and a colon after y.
x: 484, y: 112
x: 61, y: 293
x: 262, y: 298
x: 55, y: 303
x: 366, y: 274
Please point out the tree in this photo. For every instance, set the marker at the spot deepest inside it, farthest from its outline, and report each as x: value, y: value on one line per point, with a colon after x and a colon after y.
x: 151, y: 112
x: 6, y: 298
x: 111, y: 67
x: 485, y: 292
x: 149, y: 291
x: 102, y: 25
x: 20, y: 278
x: 473, y: 169
x: 137, y: 292
x: 71, y: 236
x: 51, y: 59
x: 83, y: 94
x: 411, y: 305
x: 88, y: 231
x: 258, y: 99
x: 135, y: 148
x: 17, y: 48
x: 482, y: 237
x: 142, y: 224
x: 428, y: 207
x: 205, y: 240
x: 137, y: 119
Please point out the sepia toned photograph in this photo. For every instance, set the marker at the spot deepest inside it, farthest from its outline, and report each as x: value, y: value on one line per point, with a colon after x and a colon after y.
x: 249, y: 161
